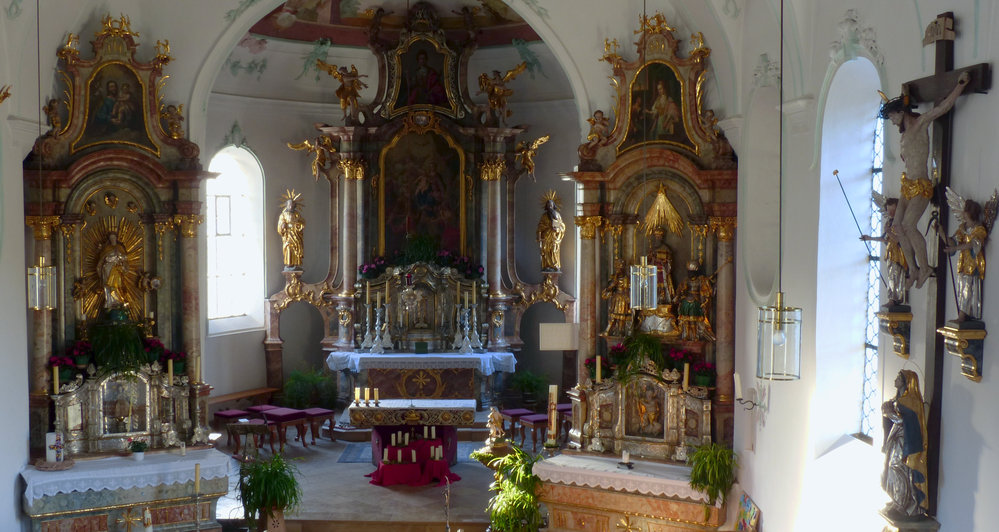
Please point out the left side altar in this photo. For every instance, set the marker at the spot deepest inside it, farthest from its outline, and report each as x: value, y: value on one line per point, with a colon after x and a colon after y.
x: 111, y: 197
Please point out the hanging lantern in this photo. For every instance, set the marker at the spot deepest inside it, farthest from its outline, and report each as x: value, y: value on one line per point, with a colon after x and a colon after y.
x: 41, y: 286
x: 779, y: 342
x: 643, y: 286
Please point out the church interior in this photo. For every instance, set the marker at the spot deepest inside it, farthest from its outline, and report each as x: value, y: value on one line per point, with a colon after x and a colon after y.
x: 759, y: 229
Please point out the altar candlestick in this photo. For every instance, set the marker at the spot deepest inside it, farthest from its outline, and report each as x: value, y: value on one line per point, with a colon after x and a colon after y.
x: 475, y: 294
x: 386, y: 292
x: 424, y: 432
x: 385, y: 455
x: 414, y: 456
x: 399, y: 456
x: 552, y: 412
x: 367, y: 293
x: 393, y: 439
x: 738, y: 386
x: 378, y: 299
x: 599, y: 379
x: 367, y: 394
x: 466, y: 299
x: 357, y: 394
x: 625, y: 457
x: 686, y: 375
x: 50, y: 447
x: 197, y: 478
x: 376, y: 395
x: 55, y: 380
x: 433, y: 433
x: 170, y: 372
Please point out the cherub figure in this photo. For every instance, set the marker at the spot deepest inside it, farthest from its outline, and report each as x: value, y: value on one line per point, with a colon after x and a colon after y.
x: 495, y: 90
x: 322, y: 150
x: 173, y: 115
x: 969, y: 240
x: 525, y: 154
x: 599, y: 128
x: 4, y: 93
x: 350, y: 86
x: 51, y: 110
x: 917, y: 188
x: 894, y: 260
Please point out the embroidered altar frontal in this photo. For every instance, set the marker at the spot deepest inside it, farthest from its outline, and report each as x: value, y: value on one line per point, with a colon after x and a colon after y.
x: 414, y: 412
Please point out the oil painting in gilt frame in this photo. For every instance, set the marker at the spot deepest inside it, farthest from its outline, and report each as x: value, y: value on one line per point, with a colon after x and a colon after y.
x: 115, y: 110
x: 422, y: 76
x: 424, y: 192
x: 656, y: 104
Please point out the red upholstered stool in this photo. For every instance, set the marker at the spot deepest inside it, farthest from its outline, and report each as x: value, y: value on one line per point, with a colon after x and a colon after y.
x: 316, y: 416
x: 224, y: 417
x: 512, y: 415
x: 534, y: 422
x: 282, y: 418
x: 258, y: 410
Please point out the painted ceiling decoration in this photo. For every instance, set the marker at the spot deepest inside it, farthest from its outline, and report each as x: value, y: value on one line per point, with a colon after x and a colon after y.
x: 346, y: 22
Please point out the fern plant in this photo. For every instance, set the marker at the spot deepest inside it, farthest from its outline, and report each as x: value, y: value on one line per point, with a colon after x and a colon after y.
x: 305, y: 389
x: 712, y: 470
x: 267, y: 487
x: 117, y: 344
x: 637, y: 349
x: 515, y: 506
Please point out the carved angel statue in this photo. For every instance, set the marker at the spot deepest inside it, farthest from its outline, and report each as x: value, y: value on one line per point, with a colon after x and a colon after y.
x: 350, y: 86
x: 969, y: 240
x: 525, y: 154
x: 322, y: 151
x: 495, y: 90
x: 173, y: 115
x: 551, y: 229
x: 4, y: 93
x: 896, y: 268
x: 495, y: 425
x: 51, y: 110
x: 291, y: 227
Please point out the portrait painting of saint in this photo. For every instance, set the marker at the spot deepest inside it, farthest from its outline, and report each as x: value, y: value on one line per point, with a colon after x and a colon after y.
x: 656, y: 108
x: 115, y: 109
x: 423, y: 192
x: 422, y: 73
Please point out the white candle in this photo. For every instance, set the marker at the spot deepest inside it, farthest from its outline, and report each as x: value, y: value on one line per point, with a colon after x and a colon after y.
x: 50, y: 447
x: 376, y: 395
x: 552, y: 392
x: 738, y: 386
x: 399, y: 456
x: 475, y: 294
x: 367, y: 293
x: 197, y: 479
x: 439, y: 451
x: 433, y: 433
x: 599, y: 379
x: 170, y: 372
x: 367, y: 394
x: 405, y: 439
x: 625, y: 457
x: 424, y: 432
x: 393, y: 439
x: 385, y: 455
x: 378, y: 299
x: 414, y: 455
x: 686, y: 375
x: 357, y: 394
x: 55, y: 380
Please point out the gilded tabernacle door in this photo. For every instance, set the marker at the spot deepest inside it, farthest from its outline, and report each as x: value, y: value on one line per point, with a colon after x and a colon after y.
x: 422, y: 169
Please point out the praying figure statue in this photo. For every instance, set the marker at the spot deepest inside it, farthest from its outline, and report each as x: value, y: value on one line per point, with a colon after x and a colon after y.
x: 969, y: 242
x: 916, y: 188
x: 551, y: 229
x: 904, y: 475
x: 112, y: 266
x: 618, y: 296
x: 291, y: 227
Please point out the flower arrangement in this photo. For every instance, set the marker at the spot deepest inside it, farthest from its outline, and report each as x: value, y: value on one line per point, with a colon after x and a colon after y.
x: 376, y: 267
x: 57, y: 361
x: 617, y: 353
x: 80, y: 348
x: 676, y: 358
x: 137, y: 445
x: 468, y: 267
x: 705, y: 371
x: 606, y: 367
x: 154, y: 348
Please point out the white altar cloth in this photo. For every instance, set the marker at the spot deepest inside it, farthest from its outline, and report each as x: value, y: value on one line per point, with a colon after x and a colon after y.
x: 487, y: 363
x: 648, y: 478
x: 122, y: 472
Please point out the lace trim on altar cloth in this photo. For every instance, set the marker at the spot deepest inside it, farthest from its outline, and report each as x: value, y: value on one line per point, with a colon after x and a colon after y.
x: 647, y: 478
x: 124, y: 473
x: 486, y: 363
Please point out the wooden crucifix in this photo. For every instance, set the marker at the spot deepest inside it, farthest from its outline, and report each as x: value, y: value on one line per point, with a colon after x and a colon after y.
x: 937, y: 88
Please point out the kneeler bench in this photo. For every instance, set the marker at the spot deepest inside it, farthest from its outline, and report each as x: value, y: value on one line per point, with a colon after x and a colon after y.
x: 225, y: 417
x: 316, y: 416
x: 513, y: 415
x: 534, y: 422
x: 282, y: 418
x: 253, y: 429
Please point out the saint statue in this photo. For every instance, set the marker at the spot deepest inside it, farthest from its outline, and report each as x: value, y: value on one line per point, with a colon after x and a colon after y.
x: 916, y: 188
x: 896, y: 268
x: 694, y: 304
x: 495, y: 425
x: 496, y: 92
x: 112, y: 265
x: 551, y: 229
x: 350, y: 86
x: 904, y: 475
x: 618, y: 296
x: 291, y: 226
x: 969, y: 242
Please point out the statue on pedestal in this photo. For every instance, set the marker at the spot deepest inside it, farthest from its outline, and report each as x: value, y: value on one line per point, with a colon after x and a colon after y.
x: 969, y: 241
x: 291, y: 226
x: 904, y: 475
x: 112, y: 265
x: 618, y: 296
x: 895, y: 266
x: 551, y: 229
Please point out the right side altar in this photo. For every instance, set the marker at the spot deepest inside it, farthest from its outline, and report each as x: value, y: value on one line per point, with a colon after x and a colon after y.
x: 656, y: 355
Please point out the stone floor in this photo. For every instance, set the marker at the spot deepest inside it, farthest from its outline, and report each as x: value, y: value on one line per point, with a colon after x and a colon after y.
x: 337, y: 496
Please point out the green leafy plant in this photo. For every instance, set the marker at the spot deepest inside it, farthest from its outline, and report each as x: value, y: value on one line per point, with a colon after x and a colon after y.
x: 267, y: 487
x: 117, y: 344
x: 137, y: 445
x: 528, y: 383
x: 515, y: 506
x: 712, y: 470
x: 637, y: 349
x: 305, y: 389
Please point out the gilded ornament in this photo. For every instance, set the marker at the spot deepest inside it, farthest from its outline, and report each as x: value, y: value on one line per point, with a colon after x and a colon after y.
x: 353, y: 169
x: 42, y: 225
x: 291, y: 227
x: 723, y: 227
x: 618, y: 296
x: 68, y: 231
x: 173, y: 115
x: 345, y: 317
x: 654, y: 24
x: 161, y: 228
x: 420, y: 122
x: 116, y: 28
x: 90, y: 208
x: 663, y: 214
x: 525, y: 155
x: 322, y: 150
x: 496, y: 92
x: 350, y: 86
x: 588, y: 226
x: 550, y: 231
x: 188, y: 224
x: 162, y: 52
x: 112, y: 267
x: 492, y: 169
x: 70, y: 51
x: 51, y: 110
x: 968, y: 241
x: 547, y: 292
x: 4, y: 93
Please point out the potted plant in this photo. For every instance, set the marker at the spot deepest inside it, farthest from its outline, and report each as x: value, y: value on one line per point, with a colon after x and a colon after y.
x: 154, y: 349
x: 530, y: 385
x: 639, y: 348
x: 606, y: 368
x: 704, y: 373
x: 305, y: 389
x: 81, y: 352
x: 712, y: 470
x: 267, y: 489
x: 179, y: 360
x: 117, y: 343
x: 515, y: 506
x: 138, y: 448
x: 65, y: 365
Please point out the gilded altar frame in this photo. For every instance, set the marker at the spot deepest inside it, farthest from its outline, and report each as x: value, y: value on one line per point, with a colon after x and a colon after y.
x: 403, y: 60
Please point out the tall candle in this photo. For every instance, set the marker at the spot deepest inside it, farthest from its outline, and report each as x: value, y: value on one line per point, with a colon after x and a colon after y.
x: 357, y: 394
x: 385, y: 455
x: 599, y: 379
x: 367, y: 293
x: 738, y: 386
x: 686, y: 375
x: 399, y: 456
x: 552, y: 393
x: 55, y: 380
x: 50, y: 447
x: 170, y: 372
x: 386, y: 292
x: 475, y: 294
x: 378, y: 299
x: 405, y: 439
x: 376, y: 395
x: 625, y: 457
x: 197, y: 479
x: 393, y: 439
x: 433, y: 433
x: 414, y: 456
x: 466, y: 299
x: 424, y: 432
x: 367, y: 394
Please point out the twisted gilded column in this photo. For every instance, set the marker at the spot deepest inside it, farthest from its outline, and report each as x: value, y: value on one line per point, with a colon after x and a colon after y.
x: 588, y: 290
x: 724, y: 228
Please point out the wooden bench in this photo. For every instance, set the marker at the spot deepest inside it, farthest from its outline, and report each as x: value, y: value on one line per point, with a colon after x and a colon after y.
x: 255, y: 396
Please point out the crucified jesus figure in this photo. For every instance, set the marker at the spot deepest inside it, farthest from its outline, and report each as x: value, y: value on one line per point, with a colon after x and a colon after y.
x: 917, y: 188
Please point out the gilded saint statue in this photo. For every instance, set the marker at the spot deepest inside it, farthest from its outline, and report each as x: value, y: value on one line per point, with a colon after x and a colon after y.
x: 551, y: 229
x: 618, y: 296
x: 694, y: 297
x: 904, y: 475
x: 896, y: 269
x: 112, y: 267
x: 291, y: 227
x: 496, y: 92
x: 350, y: 86
x: 968, y: 241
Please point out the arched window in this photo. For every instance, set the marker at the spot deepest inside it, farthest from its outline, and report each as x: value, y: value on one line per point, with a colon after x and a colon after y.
x: 869, y: 394
x: 234, y: 219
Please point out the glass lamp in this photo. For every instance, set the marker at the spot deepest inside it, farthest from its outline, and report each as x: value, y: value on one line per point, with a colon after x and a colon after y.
x: 779, y: 342
x: 643, y: 286
x: 41, y: 286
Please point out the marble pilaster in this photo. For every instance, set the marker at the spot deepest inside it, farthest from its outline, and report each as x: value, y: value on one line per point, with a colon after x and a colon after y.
x: 724, y: 229
x: 588, y: 290
x: 187, y: 225
x: 43, y: 229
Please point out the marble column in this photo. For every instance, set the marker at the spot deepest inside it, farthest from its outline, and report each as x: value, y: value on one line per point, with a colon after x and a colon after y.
x: 588, y: 291
x: 724, y: 229
x: 187, y: 225
x: 43, y: 228
x: 351, y: 229
x: 491, y: 172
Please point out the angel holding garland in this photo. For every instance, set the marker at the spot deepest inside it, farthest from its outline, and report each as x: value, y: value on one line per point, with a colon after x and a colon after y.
x: 969, y: 242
